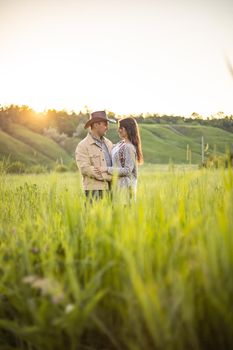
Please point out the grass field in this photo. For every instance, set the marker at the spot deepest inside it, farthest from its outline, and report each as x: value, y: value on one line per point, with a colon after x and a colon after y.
x: 154, y: 275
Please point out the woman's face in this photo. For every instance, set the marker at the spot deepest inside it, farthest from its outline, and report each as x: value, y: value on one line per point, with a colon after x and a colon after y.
x: 122, y: 132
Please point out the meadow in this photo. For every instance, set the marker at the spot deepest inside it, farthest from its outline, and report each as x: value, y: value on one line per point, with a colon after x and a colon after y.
x: 156, y: 274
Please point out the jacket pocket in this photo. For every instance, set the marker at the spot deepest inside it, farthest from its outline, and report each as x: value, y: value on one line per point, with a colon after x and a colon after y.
x: 95, y: 160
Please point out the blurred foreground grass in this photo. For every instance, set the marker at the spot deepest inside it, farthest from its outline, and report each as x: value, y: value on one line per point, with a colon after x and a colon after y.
x: 154, y: 275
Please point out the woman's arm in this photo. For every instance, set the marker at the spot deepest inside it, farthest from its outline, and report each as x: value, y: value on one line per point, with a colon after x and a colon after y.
x: 130, y: 161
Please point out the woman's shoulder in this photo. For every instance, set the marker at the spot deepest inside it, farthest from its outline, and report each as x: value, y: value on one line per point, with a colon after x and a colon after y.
x: 118, y: 144
x: 124, y: 146
x: 129, y: 146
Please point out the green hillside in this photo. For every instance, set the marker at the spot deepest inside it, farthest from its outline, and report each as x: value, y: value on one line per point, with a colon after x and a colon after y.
x: 161, y: 144
x: 40, y: 143
x: 30, y: 147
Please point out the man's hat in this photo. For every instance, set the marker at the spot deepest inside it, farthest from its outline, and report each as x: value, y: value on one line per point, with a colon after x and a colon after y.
x: 99, y: 116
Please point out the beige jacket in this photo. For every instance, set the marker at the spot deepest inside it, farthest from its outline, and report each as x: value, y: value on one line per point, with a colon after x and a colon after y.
x: 88, y: 155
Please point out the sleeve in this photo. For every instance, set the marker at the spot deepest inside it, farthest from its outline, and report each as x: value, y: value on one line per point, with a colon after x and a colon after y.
x: 83, y: 163
x: 130, y: 162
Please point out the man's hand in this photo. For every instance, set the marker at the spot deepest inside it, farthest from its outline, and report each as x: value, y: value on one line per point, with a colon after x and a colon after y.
x: 100, y: 170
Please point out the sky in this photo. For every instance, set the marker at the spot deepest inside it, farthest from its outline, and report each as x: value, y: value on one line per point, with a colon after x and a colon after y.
x: 141, y: 56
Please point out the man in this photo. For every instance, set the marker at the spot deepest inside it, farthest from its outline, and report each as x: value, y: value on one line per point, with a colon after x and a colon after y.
x: 95, y: 151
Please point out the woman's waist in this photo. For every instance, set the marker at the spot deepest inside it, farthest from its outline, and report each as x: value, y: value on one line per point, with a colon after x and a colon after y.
x: 127, y: 180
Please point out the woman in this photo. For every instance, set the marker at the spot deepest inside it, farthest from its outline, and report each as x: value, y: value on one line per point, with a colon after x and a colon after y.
x: 126, y: 155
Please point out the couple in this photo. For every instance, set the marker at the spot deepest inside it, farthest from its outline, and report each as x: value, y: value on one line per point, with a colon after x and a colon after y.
x: 99, y: 160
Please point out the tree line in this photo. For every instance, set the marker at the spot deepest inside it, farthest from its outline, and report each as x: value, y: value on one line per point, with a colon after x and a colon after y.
x: 69, y: 123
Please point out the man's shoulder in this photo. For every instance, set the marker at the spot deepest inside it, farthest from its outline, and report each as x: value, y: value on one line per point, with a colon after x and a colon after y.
x: 83, y: 143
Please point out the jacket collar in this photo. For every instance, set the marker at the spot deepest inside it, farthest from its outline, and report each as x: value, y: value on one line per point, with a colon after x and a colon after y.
x: 92, y: 140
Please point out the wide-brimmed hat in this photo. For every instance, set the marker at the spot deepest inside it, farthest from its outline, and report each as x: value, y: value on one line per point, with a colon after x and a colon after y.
x: 99, y: 116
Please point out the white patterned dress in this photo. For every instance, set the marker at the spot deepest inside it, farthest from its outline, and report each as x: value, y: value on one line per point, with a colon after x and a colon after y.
x: 124, y: 165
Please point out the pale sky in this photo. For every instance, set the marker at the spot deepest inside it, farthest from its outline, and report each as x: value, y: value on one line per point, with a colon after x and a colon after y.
x: 157, y: 56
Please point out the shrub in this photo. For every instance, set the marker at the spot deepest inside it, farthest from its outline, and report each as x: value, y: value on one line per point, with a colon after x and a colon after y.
x: 53, y: 134
x: 61, y: 168
x: 72, y: 166
x: 219, y: 161
x: 16, y: 168
x: 37, y: 169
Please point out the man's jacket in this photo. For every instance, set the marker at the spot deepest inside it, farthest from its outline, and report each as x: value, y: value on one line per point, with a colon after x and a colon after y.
x: 89, y: 155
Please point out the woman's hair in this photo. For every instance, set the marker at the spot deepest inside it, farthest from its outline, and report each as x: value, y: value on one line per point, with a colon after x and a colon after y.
x: 132, y: 130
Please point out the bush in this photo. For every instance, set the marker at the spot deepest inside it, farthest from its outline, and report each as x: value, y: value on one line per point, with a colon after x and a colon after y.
x: 219, y: 161
x: 3, y: 166
x: 37, y: 169
x: 16, y: 168
x: 72, y: 166
x: 61, y: 168
x: 53, y: 134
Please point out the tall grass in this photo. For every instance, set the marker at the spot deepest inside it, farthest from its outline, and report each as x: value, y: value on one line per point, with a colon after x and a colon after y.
x: 157, y: 274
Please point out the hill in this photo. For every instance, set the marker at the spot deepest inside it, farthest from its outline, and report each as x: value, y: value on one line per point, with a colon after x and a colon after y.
x: 31, y: 148
x: 161, y: 144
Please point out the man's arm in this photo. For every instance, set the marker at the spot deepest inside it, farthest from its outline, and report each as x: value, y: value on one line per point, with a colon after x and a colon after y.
x: 83, y: 163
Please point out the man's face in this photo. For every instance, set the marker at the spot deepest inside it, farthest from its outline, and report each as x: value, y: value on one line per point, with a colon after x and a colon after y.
x: 101, y: 128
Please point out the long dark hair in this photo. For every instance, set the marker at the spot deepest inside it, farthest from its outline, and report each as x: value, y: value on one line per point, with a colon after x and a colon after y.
x: 131, y: 127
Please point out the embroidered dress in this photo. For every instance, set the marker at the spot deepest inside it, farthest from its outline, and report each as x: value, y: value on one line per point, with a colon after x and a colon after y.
x: 124, y: 163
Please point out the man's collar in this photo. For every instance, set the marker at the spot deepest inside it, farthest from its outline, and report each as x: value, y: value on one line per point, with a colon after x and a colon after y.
x: 94, y: 139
